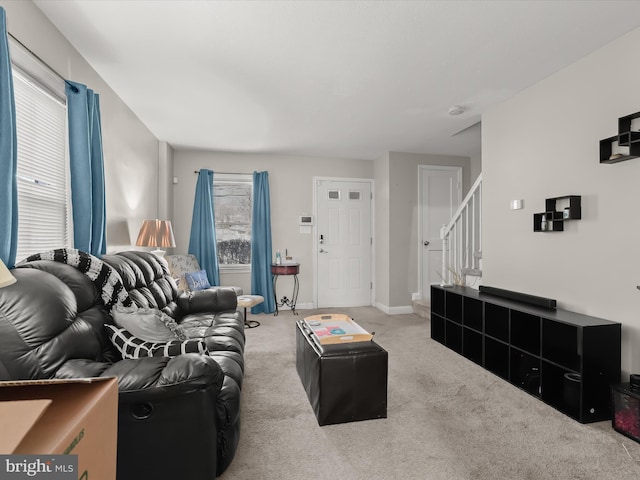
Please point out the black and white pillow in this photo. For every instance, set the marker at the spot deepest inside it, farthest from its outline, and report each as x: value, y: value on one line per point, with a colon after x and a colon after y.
x: 103, y: 276
x: 178, y: 347
x: 149, y: 324
x: 131, y: 346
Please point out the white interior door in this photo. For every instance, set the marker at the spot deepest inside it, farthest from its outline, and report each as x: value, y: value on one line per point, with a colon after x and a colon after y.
x: 343, y: 243
x: 440, y: 195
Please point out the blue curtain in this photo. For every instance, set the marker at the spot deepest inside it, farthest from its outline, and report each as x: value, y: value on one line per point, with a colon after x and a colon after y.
x: 261, y: 279
x: 203, y: 243
x: 8, y: 153
x: 87, y: 169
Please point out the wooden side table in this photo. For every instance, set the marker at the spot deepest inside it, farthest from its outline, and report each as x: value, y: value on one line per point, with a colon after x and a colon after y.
x: 286, y: 269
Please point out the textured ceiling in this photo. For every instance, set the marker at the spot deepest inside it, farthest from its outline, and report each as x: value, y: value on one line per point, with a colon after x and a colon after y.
x: 350, y: 79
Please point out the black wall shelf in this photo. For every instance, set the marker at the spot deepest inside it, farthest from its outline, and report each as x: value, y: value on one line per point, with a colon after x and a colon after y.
x: 552, y: 220
x: 565, y: 359
x: 625, y: 138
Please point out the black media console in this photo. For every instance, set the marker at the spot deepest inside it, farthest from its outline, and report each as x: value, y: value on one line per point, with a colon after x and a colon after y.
x: 565, y: 359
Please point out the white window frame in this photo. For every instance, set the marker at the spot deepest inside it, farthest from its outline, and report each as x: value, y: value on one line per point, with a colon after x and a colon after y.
x: 34, y: 72
x: 233, y: 178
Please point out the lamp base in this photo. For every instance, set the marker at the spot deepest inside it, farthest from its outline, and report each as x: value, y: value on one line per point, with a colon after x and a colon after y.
x: 158, y: 253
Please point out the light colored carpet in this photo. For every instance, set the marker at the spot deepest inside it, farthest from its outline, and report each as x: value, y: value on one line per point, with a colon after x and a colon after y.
x: 448, y: 419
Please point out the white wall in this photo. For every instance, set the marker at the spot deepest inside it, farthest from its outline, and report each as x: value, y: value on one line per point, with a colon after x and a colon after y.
x: 165, y: 182
x: 130, y: 150
x: 382, y: 237
x: 397, y: 236
x: 476, y: 168
x: 544, y: 143
x: 291, y: 189
x: 406, y: 241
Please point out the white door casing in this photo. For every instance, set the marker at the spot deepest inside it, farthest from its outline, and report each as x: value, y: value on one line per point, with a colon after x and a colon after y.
x: 343, y: 242
x: 440, y: 192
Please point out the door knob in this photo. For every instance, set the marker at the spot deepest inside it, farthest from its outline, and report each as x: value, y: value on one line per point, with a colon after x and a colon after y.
x: 426, y: 242
x: 322, y: 250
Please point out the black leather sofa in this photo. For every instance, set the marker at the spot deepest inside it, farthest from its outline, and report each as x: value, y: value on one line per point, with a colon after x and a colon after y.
x: 207, y: 314
x: 178, y: 417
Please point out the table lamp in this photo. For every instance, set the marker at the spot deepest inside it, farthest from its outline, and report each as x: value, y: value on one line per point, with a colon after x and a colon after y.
x: 156, y: 233
x: 6, y: 278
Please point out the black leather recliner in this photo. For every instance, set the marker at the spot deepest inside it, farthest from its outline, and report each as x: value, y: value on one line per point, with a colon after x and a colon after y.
x: 52, y: 326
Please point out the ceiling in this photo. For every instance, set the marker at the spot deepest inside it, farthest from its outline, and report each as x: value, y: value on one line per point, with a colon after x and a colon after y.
x: 346, y: 79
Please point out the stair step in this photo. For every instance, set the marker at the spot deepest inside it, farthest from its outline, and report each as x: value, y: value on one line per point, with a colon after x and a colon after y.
x: 422, y: 308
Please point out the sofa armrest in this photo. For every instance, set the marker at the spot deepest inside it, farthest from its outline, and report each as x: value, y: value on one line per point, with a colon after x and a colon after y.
x: 215, y: 299
x: 151, y: 378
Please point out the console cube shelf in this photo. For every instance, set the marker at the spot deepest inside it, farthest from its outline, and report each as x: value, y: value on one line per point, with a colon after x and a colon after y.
x: 565, y: 359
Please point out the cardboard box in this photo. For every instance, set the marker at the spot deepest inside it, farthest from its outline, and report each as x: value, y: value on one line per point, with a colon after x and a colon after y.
x: 75, y: 417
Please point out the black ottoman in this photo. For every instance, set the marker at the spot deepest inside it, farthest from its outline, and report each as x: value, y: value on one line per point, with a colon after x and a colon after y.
x: 344, y: 382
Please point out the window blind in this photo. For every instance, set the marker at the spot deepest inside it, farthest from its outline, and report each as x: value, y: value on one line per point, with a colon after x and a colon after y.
x: 43, y: 193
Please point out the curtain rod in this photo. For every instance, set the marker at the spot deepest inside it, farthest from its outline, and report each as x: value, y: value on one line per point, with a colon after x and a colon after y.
x: 226, y: 173
x: 38, y: 58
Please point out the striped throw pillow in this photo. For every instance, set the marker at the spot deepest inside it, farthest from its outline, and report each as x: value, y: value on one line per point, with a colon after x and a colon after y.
x: 131, y: 346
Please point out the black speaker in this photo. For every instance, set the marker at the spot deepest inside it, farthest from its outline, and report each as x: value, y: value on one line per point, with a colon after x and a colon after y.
x: 548, y: 303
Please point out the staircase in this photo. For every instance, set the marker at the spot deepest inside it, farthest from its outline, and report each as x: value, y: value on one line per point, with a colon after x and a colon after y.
x: 461, y: 245
x: 462, y: 240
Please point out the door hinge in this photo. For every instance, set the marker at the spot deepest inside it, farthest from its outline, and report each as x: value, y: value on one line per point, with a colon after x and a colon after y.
x: 370, y: 285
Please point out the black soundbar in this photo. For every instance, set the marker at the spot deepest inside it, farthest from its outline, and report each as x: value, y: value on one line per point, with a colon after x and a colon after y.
x: 543, y: 302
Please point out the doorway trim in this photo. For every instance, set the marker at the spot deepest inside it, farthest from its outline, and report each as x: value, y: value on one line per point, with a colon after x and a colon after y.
x: 418, y: 295
x: 314, y: 234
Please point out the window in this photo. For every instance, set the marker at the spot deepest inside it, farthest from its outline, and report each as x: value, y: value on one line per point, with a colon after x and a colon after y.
x: 232, y: 203
x: 44, y: 216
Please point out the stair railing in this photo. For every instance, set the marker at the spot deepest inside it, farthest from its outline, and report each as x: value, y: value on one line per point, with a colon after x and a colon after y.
x: 462, y: 239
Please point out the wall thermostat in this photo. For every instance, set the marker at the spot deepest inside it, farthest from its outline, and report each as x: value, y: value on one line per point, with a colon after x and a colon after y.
x: 305, y: 220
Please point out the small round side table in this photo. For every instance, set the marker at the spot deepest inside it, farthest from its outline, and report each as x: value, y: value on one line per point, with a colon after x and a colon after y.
x: 248, y: 301
x: 286, y: 269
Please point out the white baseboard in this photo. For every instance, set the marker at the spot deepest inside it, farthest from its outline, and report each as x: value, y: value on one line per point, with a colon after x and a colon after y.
x: 299, y: 306
x: 388, y: 310
x: 305, y: 306
x: 401, y: 310
x: 393, y: 310
x: 381, y: 307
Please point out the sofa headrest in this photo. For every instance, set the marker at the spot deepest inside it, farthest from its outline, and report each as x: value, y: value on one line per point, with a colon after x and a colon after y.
x: 145, y: 277
x: 53, y: 313
x: 105, y: 278
x: 137, y: 269
x: 84, y: 290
